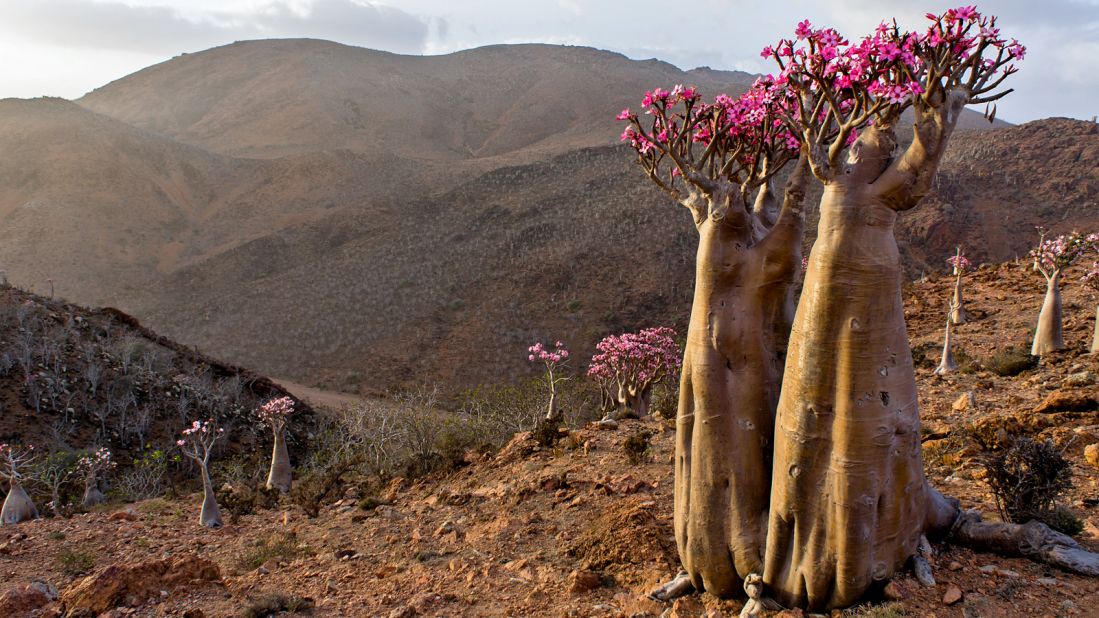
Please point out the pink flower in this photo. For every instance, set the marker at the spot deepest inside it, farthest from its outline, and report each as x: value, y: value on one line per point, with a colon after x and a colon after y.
x: 803, y: 30
x: 624, y: 114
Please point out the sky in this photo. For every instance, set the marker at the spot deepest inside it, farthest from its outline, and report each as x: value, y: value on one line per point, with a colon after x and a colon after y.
x: 68, y: 47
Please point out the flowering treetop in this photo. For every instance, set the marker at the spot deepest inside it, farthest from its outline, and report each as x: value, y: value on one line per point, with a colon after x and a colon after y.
x: 539, y: 352
x: 636, y: 360
x: 1091, y: 277
x: 842, y: 87
x: 730, y: 145
x: 198, y: 440
x: 276, y: 412
x: 13, y: 457
x: 1053, y: 255
x: 96, y: 461
x: 959, y: 263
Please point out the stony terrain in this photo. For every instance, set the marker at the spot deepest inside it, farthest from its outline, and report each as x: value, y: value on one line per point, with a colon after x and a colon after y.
x: 577, y: 530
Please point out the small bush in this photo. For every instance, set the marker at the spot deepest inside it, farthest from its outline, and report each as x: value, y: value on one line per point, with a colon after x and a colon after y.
x: 965, y: 362
x: 315, y: 488
x: 926, y: 355
x: 1027, y: 479
x: 76, y: 562
x: 547, y: 432
x: 242, y: 500
x: 887, y: 610
x: 1010, y: 362
x: 279, y: 546
x: 1065, y: 521
x: 638, y: 447
x: 273, y: 604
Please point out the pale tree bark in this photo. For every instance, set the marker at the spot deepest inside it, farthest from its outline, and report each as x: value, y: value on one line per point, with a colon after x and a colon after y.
x: 92, y: 495
x: 210, y: 515
x: 958, y: 314
x: 281, y: 474
x: 1095, y: 335
x: 730, y: 383
x: 18, y: 506
x: 1048, y: 335
x: 848, y: 474
x: 947, y: 364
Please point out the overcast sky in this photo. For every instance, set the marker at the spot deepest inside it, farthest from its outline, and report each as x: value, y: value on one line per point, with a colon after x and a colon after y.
x: 68, y: 47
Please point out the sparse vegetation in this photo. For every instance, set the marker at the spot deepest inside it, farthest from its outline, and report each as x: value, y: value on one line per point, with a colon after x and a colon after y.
x: 638, y: 447
x: 1010, y: 362
x: 75, y: 562
x: 273, y: 604
x: 1027, y: 479
x: 279, y: 546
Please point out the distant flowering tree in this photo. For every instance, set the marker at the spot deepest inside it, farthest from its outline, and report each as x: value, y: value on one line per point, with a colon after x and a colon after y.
x: 961, y: 265
x: 1091, y: 280
x: 1051, y: 257
x: 629, y: 365
x: 53, y: 472
x: 197, y: 443
x: 946, y: 363
x: 275, y: 414
x: 93, y: 465
x: 17, y: 505
x: 554, y: 361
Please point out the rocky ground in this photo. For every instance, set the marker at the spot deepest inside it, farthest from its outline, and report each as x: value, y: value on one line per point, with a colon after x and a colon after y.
x: 577, y: 529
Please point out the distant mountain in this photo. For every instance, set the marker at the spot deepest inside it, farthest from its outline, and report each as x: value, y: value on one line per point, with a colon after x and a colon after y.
x: 277, y: 97
x: 351, y: 218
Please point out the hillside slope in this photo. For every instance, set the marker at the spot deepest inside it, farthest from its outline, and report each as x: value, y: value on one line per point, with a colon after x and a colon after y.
x: 569, y: 249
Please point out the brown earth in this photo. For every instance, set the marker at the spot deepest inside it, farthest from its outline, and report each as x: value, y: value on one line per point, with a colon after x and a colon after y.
x: 577, y: 531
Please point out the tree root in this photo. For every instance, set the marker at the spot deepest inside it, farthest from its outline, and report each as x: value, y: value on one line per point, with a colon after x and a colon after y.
x: 757, y: 603
x: 921, y: 566
x: 680, y: 586
x: 1033, y: 540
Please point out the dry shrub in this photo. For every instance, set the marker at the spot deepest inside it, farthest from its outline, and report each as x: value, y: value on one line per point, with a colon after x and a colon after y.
x: 1027, y: 479
x: 1010, y: 362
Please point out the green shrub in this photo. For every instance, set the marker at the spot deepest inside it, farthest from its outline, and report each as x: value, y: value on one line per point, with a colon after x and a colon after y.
x: 275, y: 603
x: 1010, y: 362
x: 282, y: 546
x: 76, y: 562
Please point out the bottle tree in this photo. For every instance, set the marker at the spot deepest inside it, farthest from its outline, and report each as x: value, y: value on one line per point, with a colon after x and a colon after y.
x: 92, y: 466
x: 717, y: 160
x: 276, y: 414
x: 554, y: 360
x: 850, y: 504
x: 1091, y: 280
x: 1051, y: 257
x: 960, y: 265
x: 197, y: 444
x: 629, y: 365
x: 946, y: 362
x: 18, y: 506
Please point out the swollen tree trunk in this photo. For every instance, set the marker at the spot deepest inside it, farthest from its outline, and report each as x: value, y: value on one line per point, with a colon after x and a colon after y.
x: 210, y: 516
x: 17, y: 506
x: 1048, y: 336
x: 730, y: 383
x: 1095, y: 336
x: 92, y: 495
x: 281, y: 473
x: 947, y: 364
x: 958, y: 314
x: 848, y: 488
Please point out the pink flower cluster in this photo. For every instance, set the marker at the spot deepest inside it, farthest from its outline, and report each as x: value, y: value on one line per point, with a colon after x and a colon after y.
x: 1054, y: 254
x: 539, y: 352
x: 636, y: 359
x: 960, y: 263
x: 276, y: 410
x: 97, y: 461
x: 1091, y: 277
x: 200, y: 431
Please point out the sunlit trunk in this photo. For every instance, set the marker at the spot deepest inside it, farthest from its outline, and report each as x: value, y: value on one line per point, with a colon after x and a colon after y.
x: 1048, y: 335
x: 210, y: 516
x: 281, y: 473
x: 17, y: 506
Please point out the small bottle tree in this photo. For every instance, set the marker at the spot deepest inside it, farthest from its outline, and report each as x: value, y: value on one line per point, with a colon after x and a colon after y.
x: 947, y: 364
x: 276, y: 414
x: 1091, y: 280
x: 629, y: 365
x: 961, y: 265
x: 92, y: 466
x: 17, y: 505
x: 1051, y: 258
x: 198, y: 444
x: 554, y: 360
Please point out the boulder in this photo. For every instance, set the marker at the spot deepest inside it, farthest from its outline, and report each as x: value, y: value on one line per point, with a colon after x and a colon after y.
x: 120, y: 584
x: 1069, y: 401
x: 25, y: 599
